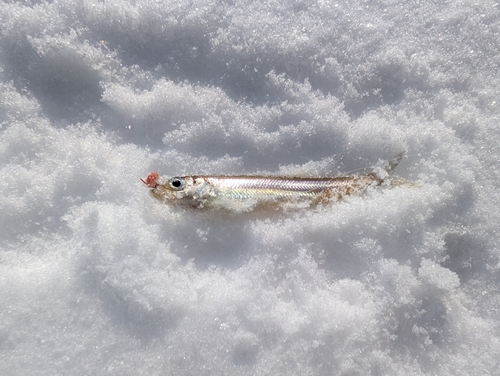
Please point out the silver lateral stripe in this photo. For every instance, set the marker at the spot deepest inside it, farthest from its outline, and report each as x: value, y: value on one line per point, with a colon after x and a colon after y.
x: 273, y: 183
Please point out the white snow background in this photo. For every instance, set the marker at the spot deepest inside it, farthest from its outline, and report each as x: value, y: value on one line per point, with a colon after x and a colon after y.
x: 99, y: 278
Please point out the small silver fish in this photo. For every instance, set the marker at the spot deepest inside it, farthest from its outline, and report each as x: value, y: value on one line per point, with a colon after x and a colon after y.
x: 243, y: 193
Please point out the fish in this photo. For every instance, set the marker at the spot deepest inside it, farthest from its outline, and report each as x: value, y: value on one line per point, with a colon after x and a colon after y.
x: 248, y: 192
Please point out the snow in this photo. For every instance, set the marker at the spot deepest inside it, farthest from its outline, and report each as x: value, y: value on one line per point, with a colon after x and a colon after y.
x: 97, y: 277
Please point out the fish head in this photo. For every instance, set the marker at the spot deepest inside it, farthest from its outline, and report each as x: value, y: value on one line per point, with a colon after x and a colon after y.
x: 181, y: 190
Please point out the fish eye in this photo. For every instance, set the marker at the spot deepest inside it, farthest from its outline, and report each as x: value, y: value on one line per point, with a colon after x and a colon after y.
x: 177, y: 184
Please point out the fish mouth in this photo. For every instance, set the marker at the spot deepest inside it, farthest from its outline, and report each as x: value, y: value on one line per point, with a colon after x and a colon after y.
x: 151, y: 180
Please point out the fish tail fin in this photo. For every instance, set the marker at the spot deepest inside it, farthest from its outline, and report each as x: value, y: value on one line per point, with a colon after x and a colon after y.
x: 392, y: 163
x: 389, y: 165
x: 384, y: 169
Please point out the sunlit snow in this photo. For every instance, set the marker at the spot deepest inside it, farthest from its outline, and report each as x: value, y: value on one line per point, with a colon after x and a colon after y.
x: 99, y: 278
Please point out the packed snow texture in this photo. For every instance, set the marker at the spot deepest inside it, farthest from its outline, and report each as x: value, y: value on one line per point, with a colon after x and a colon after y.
x: 97, y: 277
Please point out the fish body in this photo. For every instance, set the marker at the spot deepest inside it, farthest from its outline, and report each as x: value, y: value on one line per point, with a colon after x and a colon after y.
x: 248, y: 192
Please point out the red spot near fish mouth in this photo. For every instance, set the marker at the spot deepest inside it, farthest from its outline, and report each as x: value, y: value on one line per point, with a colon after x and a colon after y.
x: 151, y: 180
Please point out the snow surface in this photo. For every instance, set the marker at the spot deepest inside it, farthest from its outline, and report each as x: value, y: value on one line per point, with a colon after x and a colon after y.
x: 97, y: 277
